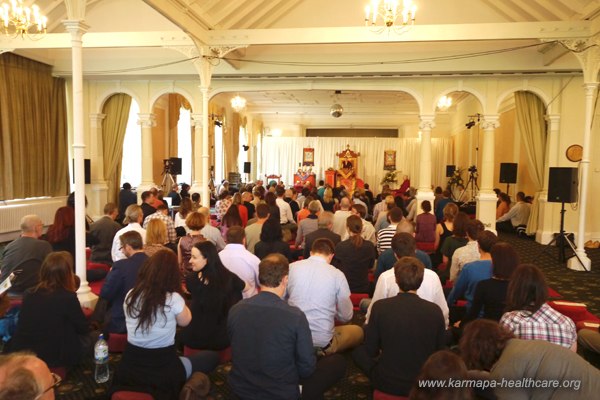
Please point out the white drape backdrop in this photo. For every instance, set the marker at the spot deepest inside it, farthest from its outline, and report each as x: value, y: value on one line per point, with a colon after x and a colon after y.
x: 283, y: 155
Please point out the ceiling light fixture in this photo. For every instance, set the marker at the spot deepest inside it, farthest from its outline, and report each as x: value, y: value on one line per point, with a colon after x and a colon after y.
x: 391, y: 15
x: 238, y: 103
x: 444, y: 103
x: 21, y: 20
x: 336, y: 110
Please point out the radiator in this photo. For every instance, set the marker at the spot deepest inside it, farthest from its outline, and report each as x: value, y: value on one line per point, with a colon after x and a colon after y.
x: 12, y: 211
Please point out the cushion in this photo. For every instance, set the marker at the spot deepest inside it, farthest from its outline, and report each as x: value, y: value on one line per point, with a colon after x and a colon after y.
x: 575, y: 311
x: 377, y: 395
x: 427, y: 247
x: 592, y: 325
x: 124, y: 395
x: 224, y: 355
x: 117, y: 342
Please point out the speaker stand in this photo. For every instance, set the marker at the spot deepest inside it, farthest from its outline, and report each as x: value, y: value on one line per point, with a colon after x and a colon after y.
x: 561, y: 238
x: 507, y: 188
x: 167, y: 183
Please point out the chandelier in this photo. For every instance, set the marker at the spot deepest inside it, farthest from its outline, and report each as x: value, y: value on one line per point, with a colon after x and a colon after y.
x: 444, y: 103
x: 238, y: 103
x: 21, y: 20
x: 390, y: 13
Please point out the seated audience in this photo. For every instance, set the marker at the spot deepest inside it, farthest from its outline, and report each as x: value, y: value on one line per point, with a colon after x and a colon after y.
x: 121, y: 279
x: 404, y: 245
x: 368, y: 230
x: 476, y: 271
x: 355, y: 257
x: 104, y: 231
x: 156, y: 236
x: 446, y: 366
x: 271, y: 201
x: 24, y: 256
x: 162, y: 214
x: 382, y: 220
x: 309, y: 223
x: 153, y: 310
x: 51, y: 322
x: 425, y: 224
x: 324, y: 225
x: 126, y: 198
x: 185, y: 209
x: 304, y: 211
x: 133, y: 219
x: 222, y: 205
x: 236, y: 200
x: 529, y: 317
x: 261, y: 370
x: 441, y: 204
x: 271, y: 241
x: 487, y: 346
x: 503, y: 205
x: 340, y: 217
x: 443, y: 230
x: 253, y: 230
x: 23, y: 376
x: 327, y: 200
x: 211, y: 233
x: 470, y: 251
x: 148, y: 204
x: 517, y: 216
x: 61, y: 234
x: 457, y: 240
x: 214, y: 291
x: 230, y: 219
x: 321, y: 291
x: 240, y: 261
x: 402, y: 333
x: 385, y: 235
x: 195, y: 222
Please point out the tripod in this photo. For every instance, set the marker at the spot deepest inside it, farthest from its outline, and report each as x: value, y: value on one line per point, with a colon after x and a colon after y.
x: 168, y: 182
x: 561, y: 238
x: 472, y: 182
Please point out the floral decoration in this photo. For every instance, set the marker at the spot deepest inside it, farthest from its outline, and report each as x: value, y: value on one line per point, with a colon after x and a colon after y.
x: 390, y: 177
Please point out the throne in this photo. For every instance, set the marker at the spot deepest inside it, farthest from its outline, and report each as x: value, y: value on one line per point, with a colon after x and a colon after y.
x: 346, y: 174
x: 272, y: 177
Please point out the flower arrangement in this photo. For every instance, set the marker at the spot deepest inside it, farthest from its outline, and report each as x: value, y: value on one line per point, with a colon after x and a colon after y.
x: 456, y: 178
x: 390, y: 177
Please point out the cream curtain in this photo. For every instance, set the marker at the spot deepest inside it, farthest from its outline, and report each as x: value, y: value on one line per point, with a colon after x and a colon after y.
x: 530, y: 122
x: 114, y: 125
x: 231, y: 144
x: 283, y: 156
x: 33, y: 130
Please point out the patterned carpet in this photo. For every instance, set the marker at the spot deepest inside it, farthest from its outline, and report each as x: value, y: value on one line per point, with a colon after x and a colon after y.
x: 575, y: 286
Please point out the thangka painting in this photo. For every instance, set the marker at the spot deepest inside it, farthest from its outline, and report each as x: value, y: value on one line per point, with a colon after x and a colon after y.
x: 389, y: 160
x: 308, y: 156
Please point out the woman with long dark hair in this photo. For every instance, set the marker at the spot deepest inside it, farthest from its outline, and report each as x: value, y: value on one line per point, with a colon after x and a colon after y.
x: 271, y: 241
x: 153, y: 309
x: 231, y: 218
x: 61, y: 234
x: 356, y: 256
x: 271, y: 201
x: 185, y: 208
x: 214, y: 291
x: 528, y: 316
x: 51, y: 322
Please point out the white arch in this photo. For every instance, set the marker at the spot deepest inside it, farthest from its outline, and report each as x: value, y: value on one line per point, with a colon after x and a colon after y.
x: 174, y: 89
x: 474, y: 92
x: 112, y: 91
x: 535, y: 90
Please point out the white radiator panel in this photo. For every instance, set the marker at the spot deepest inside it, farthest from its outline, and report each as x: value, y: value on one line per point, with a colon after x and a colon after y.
x: 12, y: 211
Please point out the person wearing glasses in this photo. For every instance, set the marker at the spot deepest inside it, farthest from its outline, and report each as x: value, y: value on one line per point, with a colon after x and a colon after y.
x: 24, y: 376
x: 51, y: 322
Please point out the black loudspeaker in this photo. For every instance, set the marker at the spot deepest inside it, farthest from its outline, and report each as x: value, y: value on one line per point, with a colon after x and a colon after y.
x: 508, y: 172
x: 450, y: 170
x: 563, y: 185
x: 247, y: 167
x: 175, y: 165
x: 87, y: 171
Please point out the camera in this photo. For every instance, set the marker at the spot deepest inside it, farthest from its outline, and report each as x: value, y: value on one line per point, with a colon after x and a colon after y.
x: 168, y: 164
x: 472, y: 169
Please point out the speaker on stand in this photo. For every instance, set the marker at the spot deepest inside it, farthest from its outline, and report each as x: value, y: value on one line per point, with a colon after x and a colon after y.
x: 450, y: 170
x: 562, y: 188
x: 508, y: 174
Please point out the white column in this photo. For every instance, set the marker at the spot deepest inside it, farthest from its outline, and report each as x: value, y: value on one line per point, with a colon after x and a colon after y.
x: 424, y: 189
x: 77, y: 29
x: 547, y: 211
x: 486, y: 200
x: 146, y: 121
x: 198, y: 183
x: 582, y: 262
x: 204, y: 182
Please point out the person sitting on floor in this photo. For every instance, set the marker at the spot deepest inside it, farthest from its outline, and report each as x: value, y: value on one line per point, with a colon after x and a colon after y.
x: 403, y: 331
x: 321, y: 291
x: 195, y: 222
x: 104, y: 231
x: 517, y: 216
x: 153, y: 309
x: 156, y: 236
x: 271, y: 241
x: 324, y: 225
x: 457, y: 240
x: 425, y: 224
x: 23, y: 376
x: 214, y: 291
x: 162, y: 213
x: 528, y: 315
x: 240, y: 261
x: 446, y: 366
x: 469, y: 252
x: 133, y: 218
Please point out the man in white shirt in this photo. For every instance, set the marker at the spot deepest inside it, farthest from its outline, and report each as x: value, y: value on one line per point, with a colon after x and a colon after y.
x: 253, y: 230
x: 286, y: 217
x: 430, y: 290
x: 340, y: 217
x: 240, y: 261
x: 368, y: 230
x: 134, y: 215
x: 517, y: 216
x: 469, y: 252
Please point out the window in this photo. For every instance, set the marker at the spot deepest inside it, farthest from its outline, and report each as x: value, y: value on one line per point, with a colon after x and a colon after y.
x: 131, y: 167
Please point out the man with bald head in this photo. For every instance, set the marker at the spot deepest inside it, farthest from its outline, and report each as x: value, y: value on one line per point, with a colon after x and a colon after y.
x: 341, y: 215
x: 23, y: 376
x: 24, y: 256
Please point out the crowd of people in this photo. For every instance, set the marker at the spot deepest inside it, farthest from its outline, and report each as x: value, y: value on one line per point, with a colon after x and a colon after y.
x: 271, y: 275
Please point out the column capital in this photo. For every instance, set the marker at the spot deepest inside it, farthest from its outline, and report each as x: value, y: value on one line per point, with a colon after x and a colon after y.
x: 427, y: 122
x: 490, y: 122
x: 587, y: 52
x: 96, y: 120
x: 553, y: 121
x: 146, y: 120
x: 76, y: 28
x: 197, y: 119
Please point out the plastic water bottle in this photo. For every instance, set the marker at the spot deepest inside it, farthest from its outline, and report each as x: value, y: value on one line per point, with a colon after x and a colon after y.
x: 101, y: 374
